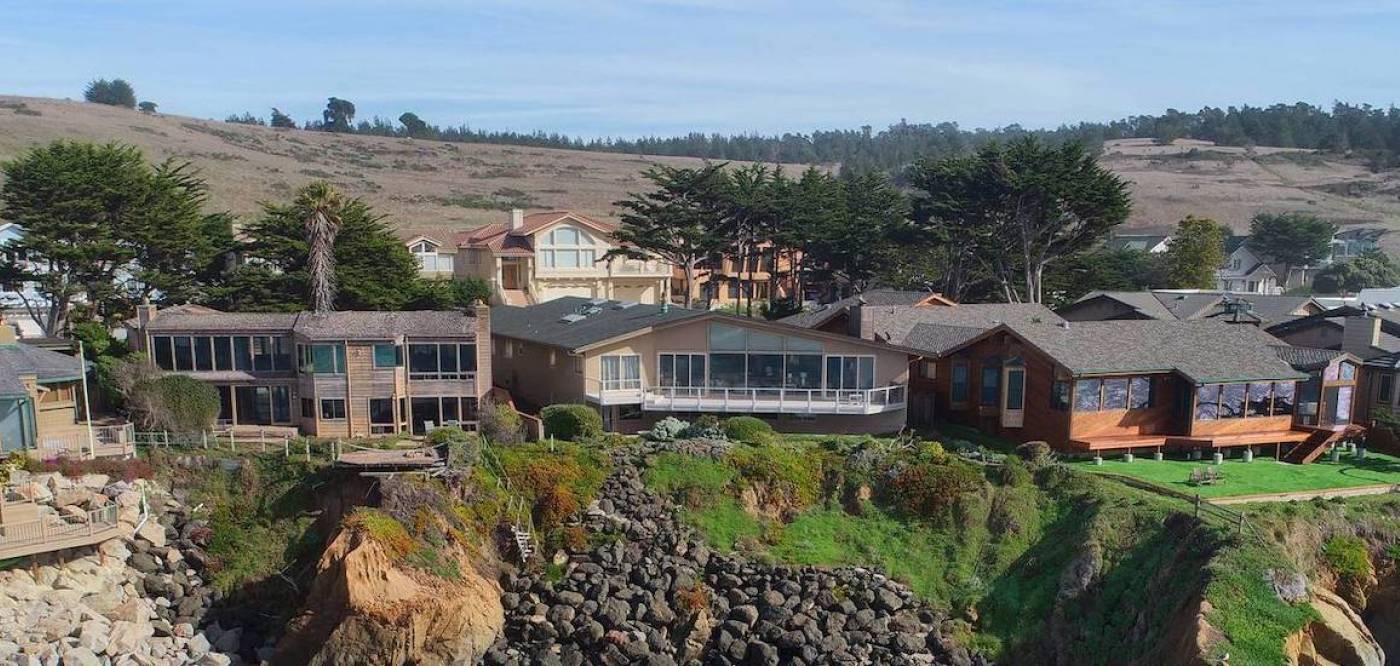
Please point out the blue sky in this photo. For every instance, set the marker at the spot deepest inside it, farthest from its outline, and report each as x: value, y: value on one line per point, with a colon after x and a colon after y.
x: 637, y: 67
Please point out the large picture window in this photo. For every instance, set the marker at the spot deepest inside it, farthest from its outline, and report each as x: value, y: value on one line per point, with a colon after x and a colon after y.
x: 323, y: 359
x: 388, y: 355
x: 1255, y: 399
x: 222, y: 353
x: 1112, y: 393
x: 443, y: 360
x: 681, y: 370
x: 850, y: 373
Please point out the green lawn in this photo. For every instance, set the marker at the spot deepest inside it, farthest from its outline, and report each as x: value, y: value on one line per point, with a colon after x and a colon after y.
x: 1263, y: 475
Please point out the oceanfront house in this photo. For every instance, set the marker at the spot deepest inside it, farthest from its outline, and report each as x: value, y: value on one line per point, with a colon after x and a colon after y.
x: 333, y: 374
x: 42, y: 406
x: 24, y: 306
x: 1172, y: 304
x: 929, y: 324
x: 728, y: 280
x: 1123, y: 386
x: 539, y: 257
x: 639, y: 363
x: 1371, y: 333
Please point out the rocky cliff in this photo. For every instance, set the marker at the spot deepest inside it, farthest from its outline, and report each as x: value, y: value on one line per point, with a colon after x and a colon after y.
x: 367, y: 608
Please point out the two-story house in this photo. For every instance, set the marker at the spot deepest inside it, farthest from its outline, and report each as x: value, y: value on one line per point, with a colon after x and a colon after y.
x: 540, y: 257
x: 329, y: 374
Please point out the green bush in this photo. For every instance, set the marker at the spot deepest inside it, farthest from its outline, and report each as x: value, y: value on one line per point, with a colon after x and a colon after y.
x: 1347, y: 556
x: 178, y: 403
x: 748, y: 430
x: 668, y: 429
x: 926, y: 489
x: 575, y: 423
x: 500, y: 423
x: 463, y: 448
x: 1034, y: 452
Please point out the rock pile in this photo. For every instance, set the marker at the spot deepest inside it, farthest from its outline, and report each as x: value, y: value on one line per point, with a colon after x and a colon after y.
x: 134, y: 600
x: 653, y: 593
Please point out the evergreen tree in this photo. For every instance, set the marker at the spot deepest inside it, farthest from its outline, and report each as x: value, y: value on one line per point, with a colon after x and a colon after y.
x: 414, y: 126
x: 338, y: 116
x: 673, y: 221
x: 106, y: 229
x: 1020, y: 208
x: 373, y: 269
x: 1371, y: 270
x: 1194, y: 253
x: 112, y: 93
x: 147, y: 107
x: 1291, y: 239
x: 281, y: 120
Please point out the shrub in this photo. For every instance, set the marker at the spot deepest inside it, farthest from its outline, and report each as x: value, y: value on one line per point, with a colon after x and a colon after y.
x: 927, y: 489
x: 383, y: 529
x: 178, y: 403
x: 1013, y: 472
x: 668, y: 429
x: 783, y: 469
x: 500, y: 423
x: 748, y: 430
x: 572, y: 422
x: 463, y: 448
x: 1034, y: 452
x: 1347, y: 556
x: 706, y: 426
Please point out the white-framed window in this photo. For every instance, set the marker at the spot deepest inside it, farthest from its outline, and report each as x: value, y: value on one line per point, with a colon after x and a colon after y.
x: 621, y: 372
x: 423, y: 247
x: 568, y: 248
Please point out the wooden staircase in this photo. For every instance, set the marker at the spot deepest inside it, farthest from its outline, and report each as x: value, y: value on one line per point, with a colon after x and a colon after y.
x: 1317, y: 443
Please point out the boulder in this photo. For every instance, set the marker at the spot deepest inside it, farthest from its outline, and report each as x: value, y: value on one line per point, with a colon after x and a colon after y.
x: 127, y: 637
x: 153, y: 532
x: 1338, y: 636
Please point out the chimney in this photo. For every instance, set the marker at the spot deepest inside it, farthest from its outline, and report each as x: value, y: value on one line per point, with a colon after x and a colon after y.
x: 145, y: 312
x: 481, y: 317
x: 860, y: 322
x: 517, y: 218
x: 1361, y: 335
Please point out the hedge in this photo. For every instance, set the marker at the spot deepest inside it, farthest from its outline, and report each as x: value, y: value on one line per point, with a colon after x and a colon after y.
x: 748, y: 430
x: 572, y: 422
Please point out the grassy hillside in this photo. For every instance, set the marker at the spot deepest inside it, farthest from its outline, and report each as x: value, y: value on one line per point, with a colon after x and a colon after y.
x: 426, y: 183
x: 1044, y: 564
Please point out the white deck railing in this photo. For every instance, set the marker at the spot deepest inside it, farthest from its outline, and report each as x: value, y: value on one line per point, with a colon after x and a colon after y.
x: 730, y: 399
x: 106, y: 440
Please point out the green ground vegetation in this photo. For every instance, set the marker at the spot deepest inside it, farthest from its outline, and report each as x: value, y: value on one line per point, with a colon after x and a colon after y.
x: 1262, y: 475
x: 994, y: 554
x: 260, y: 517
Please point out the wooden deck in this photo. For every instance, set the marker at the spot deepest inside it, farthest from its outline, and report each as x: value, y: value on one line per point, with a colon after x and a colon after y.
x: 1220, y: 441
x: 26, y: 531
x: 1118, y: 442
x: 387, y: 461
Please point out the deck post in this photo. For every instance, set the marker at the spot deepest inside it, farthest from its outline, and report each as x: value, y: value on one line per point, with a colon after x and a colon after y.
x: 286, y: 448
x: 308, y: 450
x: 1198, y: 505
x: 262, y: 438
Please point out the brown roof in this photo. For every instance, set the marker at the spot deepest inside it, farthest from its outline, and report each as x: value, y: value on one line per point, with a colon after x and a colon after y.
x: 536, y: 221
x: 350, y: 325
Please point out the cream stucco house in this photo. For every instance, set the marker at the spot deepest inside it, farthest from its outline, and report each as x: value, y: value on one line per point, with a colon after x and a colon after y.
x: 540, y: 257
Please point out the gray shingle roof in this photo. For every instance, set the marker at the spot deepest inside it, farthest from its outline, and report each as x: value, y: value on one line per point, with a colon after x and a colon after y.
x: 362, y: 325
x: 1202, y: 351
x: 1268, y: 308
x: 349, y: 325
x: 897, y: 324
x: 543, y: 323
x: 823, y: 313
x: 1307, y: 358
x: 17, y: 360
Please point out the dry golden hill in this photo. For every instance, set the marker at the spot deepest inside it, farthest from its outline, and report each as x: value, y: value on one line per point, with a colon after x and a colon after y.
x: 428, y: 183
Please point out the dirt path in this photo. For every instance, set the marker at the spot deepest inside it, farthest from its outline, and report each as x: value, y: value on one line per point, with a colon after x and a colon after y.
x: 1304, y: 495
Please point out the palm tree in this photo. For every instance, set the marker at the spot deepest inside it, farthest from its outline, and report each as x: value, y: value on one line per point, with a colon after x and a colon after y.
x: 322, y: 205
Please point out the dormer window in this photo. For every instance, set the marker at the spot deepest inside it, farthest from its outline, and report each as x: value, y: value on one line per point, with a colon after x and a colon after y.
x: 423, y: 247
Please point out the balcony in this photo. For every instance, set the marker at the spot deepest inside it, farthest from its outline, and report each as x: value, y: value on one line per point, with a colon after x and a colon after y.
x: 749, y: 400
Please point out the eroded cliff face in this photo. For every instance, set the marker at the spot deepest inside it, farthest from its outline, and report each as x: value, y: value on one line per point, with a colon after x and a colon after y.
x: 366, y: 608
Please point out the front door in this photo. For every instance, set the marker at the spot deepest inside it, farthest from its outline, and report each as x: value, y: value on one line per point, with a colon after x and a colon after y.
x: 510, y: 275
x: 1013, y: 396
